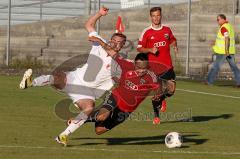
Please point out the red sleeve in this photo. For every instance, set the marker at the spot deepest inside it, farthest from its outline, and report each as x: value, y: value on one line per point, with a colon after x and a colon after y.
x: 124, y: 63
x: 142, y: 42
x: 171, y: 36
x: 223, y: 30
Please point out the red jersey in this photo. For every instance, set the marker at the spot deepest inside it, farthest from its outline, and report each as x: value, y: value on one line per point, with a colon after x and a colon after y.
x: 160, y: 38
x: 132, y: 89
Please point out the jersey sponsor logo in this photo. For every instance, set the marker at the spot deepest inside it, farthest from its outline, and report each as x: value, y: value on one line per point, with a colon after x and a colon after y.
x: 160, y: 43
x: 166, y: 36
x: 131, y: 85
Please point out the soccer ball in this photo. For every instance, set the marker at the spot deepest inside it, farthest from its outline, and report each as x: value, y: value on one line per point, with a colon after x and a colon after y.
x: 173, y: 140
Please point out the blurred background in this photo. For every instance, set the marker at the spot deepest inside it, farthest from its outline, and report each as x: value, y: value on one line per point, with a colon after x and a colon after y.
x: 44, y: 34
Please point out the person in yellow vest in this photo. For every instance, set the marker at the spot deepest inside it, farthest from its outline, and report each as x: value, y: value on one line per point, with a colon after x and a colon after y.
x: 224, y: 49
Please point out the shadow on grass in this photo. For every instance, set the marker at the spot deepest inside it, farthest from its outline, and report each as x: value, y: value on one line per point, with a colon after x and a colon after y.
x: 204, y: 118
x: 149, y: 140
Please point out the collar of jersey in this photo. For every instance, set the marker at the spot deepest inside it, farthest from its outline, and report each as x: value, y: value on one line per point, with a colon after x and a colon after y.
x: 157, y: 28
x: 224, y: 23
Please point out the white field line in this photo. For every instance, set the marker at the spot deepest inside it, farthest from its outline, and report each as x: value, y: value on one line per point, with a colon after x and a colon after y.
x: 206, y: 93
x: 122, y: 150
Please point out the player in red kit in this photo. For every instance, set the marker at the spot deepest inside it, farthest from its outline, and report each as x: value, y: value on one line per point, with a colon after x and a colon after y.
x: 136, y: 82
x: 155, y: 41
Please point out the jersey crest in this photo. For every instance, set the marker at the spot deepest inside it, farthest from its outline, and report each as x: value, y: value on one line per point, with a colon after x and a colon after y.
x: 166, y: 36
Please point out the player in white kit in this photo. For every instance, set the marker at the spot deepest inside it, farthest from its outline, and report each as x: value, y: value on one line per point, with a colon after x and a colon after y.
x: 87, y: 83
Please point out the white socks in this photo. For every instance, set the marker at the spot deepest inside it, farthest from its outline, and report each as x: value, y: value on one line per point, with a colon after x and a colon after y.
x: 43, y: 80
x: 75, y: 124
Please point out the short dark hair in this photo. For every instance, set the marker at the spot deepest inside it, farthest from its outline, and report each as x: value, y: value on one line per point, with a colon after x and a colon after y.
x: 222, y: 16
x: 120, y: 35
x: 141, y: 56
x: 154, y: 9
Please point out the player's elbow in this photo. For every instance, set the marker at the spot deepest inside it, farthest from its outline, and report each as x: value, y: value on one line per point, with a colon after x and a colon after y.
x: 174, y: 42
x: 89, y: 27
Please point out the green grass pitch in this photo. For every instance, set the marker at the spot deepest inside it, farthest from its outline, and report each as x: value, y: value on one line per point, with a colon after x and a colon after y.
x: 28, y: 126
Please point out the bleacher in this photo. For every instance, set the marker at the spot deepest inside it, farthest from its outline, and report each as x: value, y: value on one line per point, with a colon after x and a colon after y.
x: 59, y: 40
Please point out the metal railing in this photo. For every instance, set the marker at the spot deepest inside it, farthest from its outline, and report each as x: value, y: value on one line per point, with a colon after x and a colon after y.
x: 25, y: 11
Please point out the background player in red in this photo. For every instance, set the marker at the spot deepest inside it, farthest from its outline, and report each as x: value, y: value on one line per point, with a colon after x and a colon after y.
x: 136, y: 83
x: 155, y: 41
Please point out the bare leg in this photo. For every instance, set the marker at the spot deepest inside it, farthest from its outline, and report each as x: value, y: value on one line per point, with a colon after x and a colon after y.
x: 87, y: 106
x: 57, y: 79
x: 102, y: 115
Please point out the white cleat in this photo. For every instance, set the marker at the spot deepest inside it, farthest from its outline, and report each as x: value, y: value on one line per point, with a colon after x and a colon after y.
x: 26, y: 80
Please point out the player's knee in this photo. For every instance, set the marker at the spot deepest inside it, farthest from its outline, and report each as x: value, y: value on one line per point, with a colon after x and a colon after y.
x: 170, y: 93
x: 88, y: 109
x: 86, y: 105
x: 171, y: 87
x: 103, y: 114
x: 100, y: 130
x: 101, y: 117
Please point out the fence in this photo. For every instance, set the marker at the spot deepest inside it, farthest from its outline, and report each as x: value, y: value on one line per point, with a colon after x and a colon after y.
x: 24, y: 11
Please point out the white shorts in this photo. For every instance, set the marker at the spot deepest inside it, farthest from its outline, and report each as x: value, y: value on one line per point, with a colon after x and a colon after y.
x: 76, y: 90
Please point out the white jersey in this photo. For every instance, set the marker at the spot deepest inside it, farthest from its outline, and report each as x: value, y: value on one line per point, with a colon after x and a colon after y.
x: 99, y: 67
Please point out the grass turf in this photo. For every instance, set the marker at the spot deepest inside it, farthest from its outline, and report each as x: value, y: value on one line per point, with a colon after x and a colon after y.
x: 29, y: 124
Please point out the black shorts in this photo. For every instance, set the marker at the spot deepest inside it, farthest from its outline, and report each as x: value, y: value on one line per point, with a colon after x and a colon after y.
x: 116, y: 117
x: 169, y: 75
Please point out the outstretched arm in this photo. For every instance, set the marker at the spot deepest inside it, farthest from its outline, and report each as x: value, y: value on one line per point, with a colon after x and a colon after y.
x: 147, y: 50
x: 90, y: 24
x: 105, y: 46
